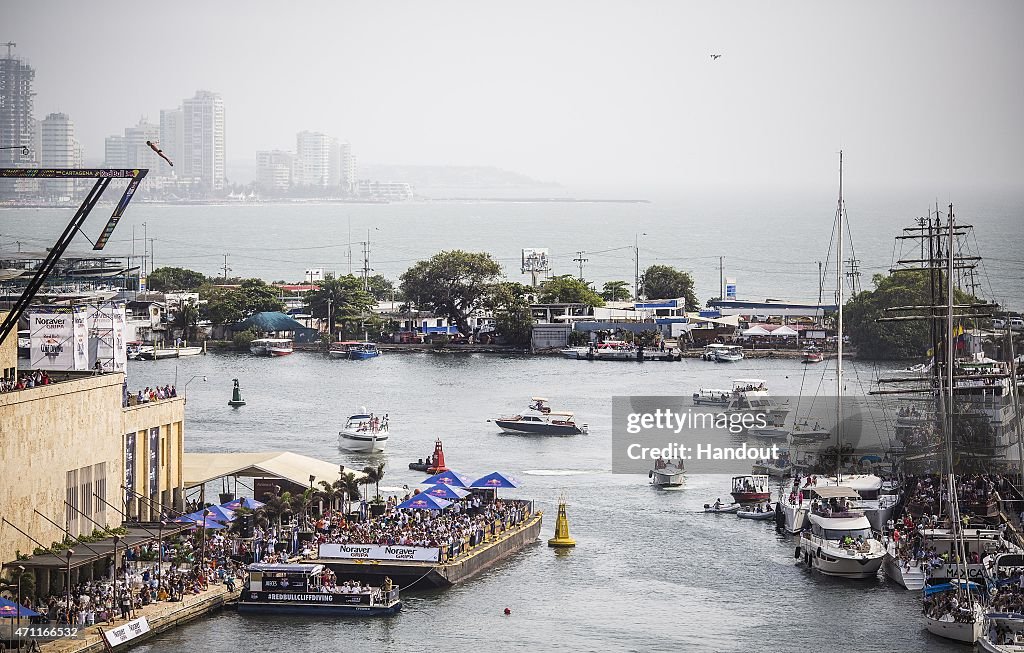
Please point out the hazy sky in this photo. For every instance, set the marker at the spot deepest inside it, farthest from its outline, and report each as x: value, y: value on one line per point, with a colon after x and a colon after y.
x: 599, y: 94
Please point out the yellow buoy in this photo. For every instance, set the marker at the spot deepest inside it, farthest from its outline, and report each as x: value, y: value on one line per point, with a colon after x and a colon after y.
x: 561, y: 538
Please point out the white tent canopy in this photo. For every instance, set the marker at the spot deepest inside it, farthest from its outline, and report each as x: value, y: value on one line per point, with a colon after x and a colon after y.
x: 200, y: 468
x: 756, y: 331
x: 784, y: 331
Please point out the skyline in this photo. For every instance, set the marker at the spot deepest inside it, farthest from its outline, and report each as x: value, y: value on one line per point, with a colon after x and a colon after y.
x: 595, y: 98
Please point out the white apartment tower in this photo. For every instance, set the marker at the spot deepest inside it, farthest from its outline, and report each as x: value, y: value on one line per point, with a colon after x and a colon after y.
x: 59, y: 149
x: 203, y: 149
x: 172, y: 136
x: 274, y: 170
x: 318, y: 160
x: 140, y: 155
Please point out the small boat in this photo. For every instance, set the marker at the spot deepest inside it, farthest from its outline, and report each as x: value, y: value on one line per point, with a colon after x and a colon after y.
x: 364, y: 433
x: 813, y: 355
x: 547, y: 423
x: 965, y: 627
x: 667, y: 474
x: 434, y: 464
x: 711, y: 397
x: 760, y: 514
x: 750, y: 488
x: 353, y: 350
x: 133, y: 348
x: 301, y: 589
x: 729, y: 354
x: 271, y: 346
x: 575, y: 353
x: 161, y: 353
x: 721, y: 508
x: 769, y: 432
x: 803, y: 433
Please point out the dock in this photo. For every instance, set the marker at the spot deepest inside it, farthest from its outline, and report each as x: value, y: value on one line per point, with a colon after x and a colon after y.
x: 161, y: 616
x: 422, y: 575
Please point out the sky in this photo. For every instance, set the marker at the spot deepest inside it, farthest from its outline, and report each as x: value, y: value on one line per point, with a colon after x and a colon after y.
x: 610, y: 95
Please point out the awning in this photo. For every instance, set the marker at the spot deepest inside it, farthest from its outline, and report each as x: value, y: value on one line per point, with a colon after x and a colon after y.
x: 90, y: 552
x: 201, y: 468
x: 833, y: 492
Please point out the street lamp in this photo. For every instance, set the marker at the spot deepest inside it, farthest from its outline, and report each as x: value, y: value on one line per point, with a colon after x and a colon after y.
x: 160, y: 559
x: 67, y: 587
x: 23, y: 148
x: 185, y: 389
x: 636, y: 258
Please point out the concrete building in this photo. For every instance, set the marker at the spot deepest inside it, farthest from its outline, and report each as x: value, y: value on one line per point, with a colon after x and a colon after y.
x: 274, y: 170
x: 318, y: 160
x: 68, y: 448
x: 17, y: 124
x: 388, y: 190
x: 203, y: 149
x: 60, y: 149
x: 348, y: 168
x: 140, y: 155
x: 115, y: 152
x: 172, y: 138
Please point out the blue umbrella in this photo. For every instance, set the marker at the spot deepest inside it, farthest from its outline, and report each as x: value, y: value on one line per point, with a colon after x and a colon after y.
x: 243, y: 502
x: 10, y: 609
x: 446, y: 492
x: 423, y: 501
x: 213, y: 512
x: 209, y: 524
x: 447, y: 478
x: 495, y: 480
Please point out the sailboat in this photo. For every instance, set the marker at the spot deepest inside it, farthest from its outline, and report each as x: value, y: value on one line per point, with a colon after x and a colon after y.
x: 841, y: 541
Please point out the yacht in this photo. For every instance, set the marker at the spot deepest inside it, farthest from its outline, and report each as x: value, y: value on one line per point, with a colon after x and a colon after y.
x: 364, y: 433
x: 550, y: 423
x: 1003, y: 628
x: 840, y: 541
x: 751, y: 396
x: 666, y: 473
x: 795, y: 506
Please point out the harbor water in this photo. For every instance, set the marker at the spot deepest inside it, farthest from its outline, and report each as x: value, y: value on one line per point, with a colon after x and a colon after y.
x: 651, y: 571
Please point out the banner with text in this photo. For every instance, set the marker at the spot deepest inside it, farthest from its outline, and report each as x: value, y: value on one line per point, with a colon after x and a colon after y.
x: 374, y: 552
x: 127, y: 632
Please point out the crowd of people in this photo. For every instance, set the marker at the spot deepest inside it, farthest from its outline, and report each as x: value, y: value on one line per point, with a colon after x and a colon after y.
x: 974, y: 493
x: 149, y: 394
x: 946, y: 606
x: 25, y: 381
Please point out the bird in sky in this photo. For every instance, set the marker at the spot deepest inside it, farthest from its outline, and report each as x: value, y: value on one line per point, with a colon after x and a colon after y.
x: 715, y: 56
x: 160, y: 152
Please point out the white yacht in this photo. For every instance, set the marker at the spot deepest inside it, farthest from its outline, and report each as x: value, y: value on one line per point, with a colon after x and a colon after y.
x: 841, y: 542
x: 796, y: 504
x: 667, y: 474
x: 364, y: 433
x: 751, y: 396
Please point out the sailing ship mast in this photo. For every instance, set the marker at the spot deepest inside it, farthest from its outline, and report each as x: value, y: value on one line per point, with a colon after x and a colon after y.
x: 839, y: 328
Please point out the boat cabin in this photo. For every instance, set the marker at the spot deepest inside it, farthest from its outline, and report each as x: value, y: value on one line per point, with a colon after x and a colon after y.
x: 301, y: 587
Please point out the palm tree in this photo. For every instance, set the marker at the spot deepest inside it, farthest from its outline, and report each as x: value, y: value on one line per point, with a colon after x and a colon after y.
x: 187, y: 319
x: 301, y: 503
x: 278, y: 504
x: 349, y: 483
x: 615, y: 291
x: 374, y: 475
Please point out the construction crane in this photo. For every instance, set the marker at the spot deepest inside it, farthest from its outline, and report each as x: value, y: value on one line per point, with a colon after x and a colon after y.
x: 10, y: 46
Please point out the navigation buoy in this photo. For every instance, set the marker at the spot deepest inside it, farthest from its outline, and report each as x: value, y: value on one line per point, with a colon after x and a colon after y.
x: 236, y: 396
x: 561, y: 539
x: 508, y: 611
x: 438, y: 463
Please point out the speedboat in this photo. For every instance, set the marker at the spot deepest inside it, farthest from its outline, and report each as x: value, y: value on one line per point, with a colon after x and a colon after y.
x: 840, y: 542
x: 711, y: 397
x: 666, y: 474
x: 353, y: 350
x: 729, y: 354
x: 364, y: 433
x: 271, y: 346
x: 813, y: 355
x: 550, y: 423
x: 575, y: 353
x: 750, y: 488
x: 721, y: 508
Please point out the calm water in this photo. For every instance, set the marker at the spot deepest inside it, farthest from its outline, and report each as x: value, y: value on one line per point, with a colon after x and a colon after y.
x: 771, y: 243
x: 651, y: 572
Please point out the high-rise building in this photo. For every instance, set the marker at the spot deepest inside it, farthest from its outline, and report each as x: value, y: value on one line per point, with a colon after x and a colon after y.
x: 60, y: 149
x: 274, y: 170
x: 115, y: 152
x: 348, y: 168
x: 16, y: 121
x: 319, y: 160
x: 140, y: 155
x: 203, y: 148
x: 172, y: 135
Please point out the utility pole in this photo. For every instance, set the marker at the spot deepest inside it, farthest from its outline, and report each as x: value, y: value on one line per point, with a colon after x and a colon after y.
x: 151, y: 241
x: 145, y: 250
x: 821, y: 283
x: 366, y: 262
x: 853, y: 274
x: 226, y: 268
x: 579, y: 259
x: 721, y: 278
x: 330, y: 319
x: 636, y: 259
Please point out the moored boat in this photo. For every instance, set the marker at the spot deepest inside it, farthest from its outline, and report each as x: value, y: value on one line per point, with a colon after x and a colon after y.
x: 750, y: 488
x: 840, y: 542
x: 719, y: 508
x: 310, y: 589
x: 954, y: 611
x: 145, y: 353
x: 711, y: 397
x: 813, y: 355
x: 271, y: 346
x: 761, y: 513
x: 354, y: 350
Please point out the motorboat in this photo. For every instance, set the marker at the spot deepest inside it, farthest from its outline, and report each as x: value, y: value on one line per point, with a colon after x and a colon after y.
x: 1003, y: 630
x: 805, y: 492
x: 667, y: 473
x: 751, y: 396
x: 301, y: 589
x: 750, y: 488
x: 722, y: 508
x: 840, y: 541
x: 760, y: 514
x: 962, y: 621
x: 271, y: 346
x: 711, y: 397
x: 364, y: 433
x: 729, y: 354
x: 769, y: 432
x: 160, y: 353
x: 353, y: 350
x: 575, y: 353
x: 550, y: 423
x: 902, y: 567
x: 813, y: 355
x: 804, y: 433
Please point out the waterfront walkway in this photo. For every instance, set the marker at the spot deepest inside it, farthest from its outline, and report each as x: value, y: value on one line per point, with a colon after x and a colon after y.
x: 161, y: 616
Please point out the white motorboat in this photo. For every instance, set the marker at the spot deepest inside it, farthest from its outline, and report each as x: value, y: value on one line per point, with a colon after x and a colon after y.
x: 145, y: 353
x: 840, y: 542
x: 722, y: 509
x: 903, y: 569
x: 729, y: 354
x: 803, y: 494
x: 575, y: 353
x: 750, y: 396
x: 667, y: 474
x: 271, y: 346
x: 711, y: 397
x: 364, y: 433
x: 546, y: 422
x: 1003, y: 630
x: 769, y: 432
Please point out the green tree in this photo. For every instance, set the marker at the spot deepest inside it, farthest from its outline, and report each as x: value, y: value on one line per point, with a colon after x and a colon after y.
x: 567, y: 289
x: 381, y: 288
x: 666, y: 282
x: 225, y: 305
x: 349, y: 303
x: 508, y: 302
x: 453, y: 284
x: 374, y: 475
x: 901, y: 340
x: 615, y: 291
x: 169, y: 279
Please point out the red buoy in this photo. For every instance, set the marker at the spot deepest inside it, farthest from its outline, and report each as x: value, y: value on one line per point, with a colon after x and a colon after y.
x: 437, y: 459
